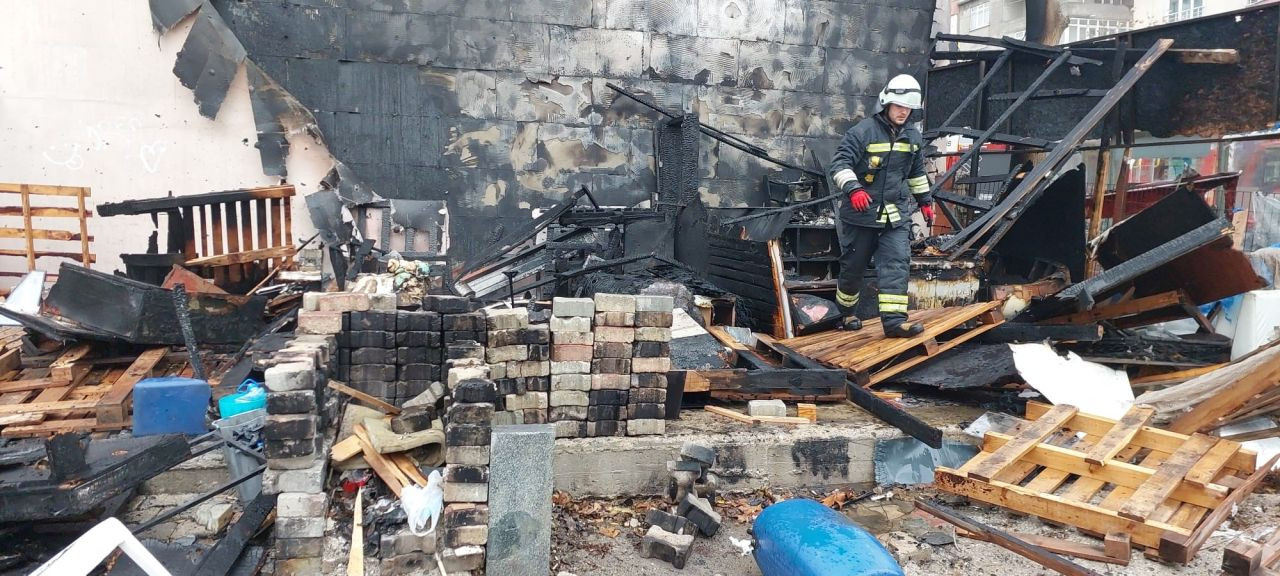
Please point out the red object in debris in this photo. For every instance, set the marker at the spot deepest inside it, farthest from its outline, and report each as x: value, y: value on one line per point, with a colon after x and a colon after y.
x: 353, y: 481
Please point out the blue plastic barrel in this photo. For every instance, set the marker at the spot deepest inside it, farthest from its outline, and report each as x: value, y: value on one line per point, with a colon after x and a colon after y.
x: 804, y: 538
x: 170, y: 405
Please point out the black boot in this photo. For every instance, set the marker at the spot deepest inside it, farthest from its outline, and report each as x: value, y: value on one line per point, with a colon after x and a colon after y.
x: 904, y: 330
x: 851, y: 323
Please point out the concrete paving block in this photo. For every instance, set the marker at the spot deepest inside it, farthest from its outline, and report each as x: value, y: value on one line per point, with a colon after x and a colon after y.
x: 611, y: 366
x: 299, y: 567
x: 569, y: 324
x: 653, y: 319
x: 508, y: 418
x: 214, y: 516
x: 772, y: 408
x: 464, y: 514
x: 311, y: 301
x: 620, y: 319
x: 466, y: 475
x: 571, y: 307
x: 646, y: 426
x: 669, y: 522
x: 319, y: 322
x: 663, y: 545
x: 647, y: 395
x: 569, y: 398
x: 466, y: 435
x: 480, y: 413
x: 405, y: 542
x: 535, y: 416
x: 467, y: 455
x: 612, y: 350
x: 654, y: 365
x: 559, y: 368
x: 643, y: 349
x: 570, y: 352
x: 567, y: 412
x: 540, y: 353
x: 301, y: 504
x: 574, y: 338
x: 520, y: 500
x: 598, y: 412
x: 615, y: 303
x: 385, y: 302
x: 615, y: 334
x: 610, y: 382
x: 466, y: 492
x: 507, y: 319
x: 466, y: 536
x: 474, y: 389
x: 502, y: 338
x: 652, y: 334
x: 464, y: 559
x: 700, y: 512
x: 648, y: 303
x: 312, y: 527
x: 569, y: 381
x: 532, y: 368
x: 342, y: 302
x: 528, y: 401
x: 291, y: 402
x: 506, y: 354
x: 609, y: 397
x: 287, y: 548
x: 645, y: 410
x: 537, y: 334
x: 498, y: 371
x: 570, y: 428
x: 648, y: 380
x: 290, y: 376
x: 405, y: 564
x: 698, y: 453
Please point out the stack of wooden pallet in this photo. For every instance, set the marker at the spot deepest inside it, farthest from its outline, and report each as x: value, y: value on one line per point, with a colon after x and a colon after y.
x: 76, y: 392
x: 1167, y: 491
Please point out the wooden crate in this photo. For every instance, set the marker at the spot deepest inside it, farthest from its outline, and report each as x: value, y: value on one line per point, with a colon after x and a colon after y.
x: 1168, y: 491
x: 77, y: 393
x: 872, y: 358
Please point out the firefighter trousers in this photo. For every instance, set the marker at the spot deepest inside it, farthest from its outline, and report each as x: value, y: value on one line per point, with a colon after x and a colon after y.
x: 892, y: 250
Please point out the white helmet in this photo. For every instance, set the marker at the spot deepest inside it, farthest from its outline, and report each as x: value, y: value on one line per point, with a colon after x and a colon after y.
x: 902, y: 90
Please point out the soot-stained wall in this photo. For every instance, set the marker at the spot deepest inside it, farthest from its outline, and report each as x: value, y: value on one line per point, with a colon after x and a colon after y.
x: 499, y: 107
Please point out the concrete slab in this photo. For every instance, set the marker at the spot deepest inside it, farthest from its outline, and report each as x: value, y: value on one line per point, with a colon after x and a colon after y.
x: 839, y: 449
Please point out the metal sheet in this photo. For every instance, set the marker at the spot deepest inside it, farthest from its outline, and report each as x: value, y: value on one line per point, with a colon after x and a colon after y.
x: 907, y: 461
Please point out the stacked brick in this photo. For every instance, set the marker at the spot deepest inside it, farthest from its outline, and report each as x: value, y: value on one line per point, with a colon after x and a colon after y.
x: 571, y: 354
x: 467, y: 430
x: 419, y: 353
x: 518, y: 355
x: 295, y: 378
x: 650, y: 362
x: 614, y: 328
x: 367, y: 352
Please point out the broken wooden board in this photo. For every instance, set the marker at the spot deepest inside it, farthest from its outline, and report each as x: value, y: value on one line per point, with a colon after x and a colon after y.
x: 1165, y: 490
x: 754, y: 420
x: 872, y: 358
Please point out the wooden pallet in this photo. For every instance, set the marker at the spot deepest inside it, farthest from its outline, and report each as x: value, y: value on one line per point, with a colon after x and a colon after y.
x: 1168, y: 491
x: 871, y: 358
x: 78, y: 394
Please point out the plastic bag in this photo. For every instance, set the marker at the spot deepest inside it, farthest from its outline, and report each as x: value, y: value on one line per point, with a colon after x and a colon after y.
x: 422, y: 504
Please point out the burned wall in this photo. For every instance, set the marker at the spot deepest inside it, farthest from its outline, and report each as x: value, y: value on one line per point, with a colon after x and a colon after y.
x: 501, y: 107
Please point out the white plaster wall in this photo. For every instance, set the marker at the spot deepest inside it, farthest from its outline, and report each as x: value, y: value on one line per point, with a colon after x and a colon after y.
x: 88, y: 98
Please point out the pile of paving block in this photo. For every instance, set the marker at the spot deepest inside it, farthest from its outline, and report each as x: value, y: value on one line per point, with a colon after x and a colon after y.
x: 609, y: 360
x: 468, y: 428
x: 391, y: 355
x: 693, y: 488
x: 519, y: 359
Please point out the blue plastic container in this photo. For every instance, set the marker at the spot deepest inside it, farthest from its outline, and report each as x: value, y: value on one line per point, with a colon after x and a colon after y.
x: 804, y: 538
x: 170, y: 405
x: 250, y: 395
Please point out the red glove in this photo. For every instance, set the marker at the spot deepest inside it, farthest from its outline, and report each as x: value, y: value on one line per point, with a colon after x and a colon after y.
x: 927, y: 210
x: 860, y: 200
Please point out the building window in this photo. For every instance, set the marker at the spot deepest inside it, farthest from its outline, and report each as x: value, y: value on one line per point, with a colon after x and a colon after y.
x: 1184, y: 10
x: 979, y: 16
x: 1086, y: 28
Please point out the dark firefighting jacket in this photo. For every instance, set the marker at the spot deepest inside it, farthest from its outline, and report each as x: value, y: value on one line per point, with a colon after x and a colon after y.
x: 888, y: 163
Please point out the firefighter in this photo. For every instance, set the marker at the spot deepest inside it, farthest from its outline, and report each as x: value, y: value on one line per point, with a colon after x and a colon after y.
x: 879, y: 165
